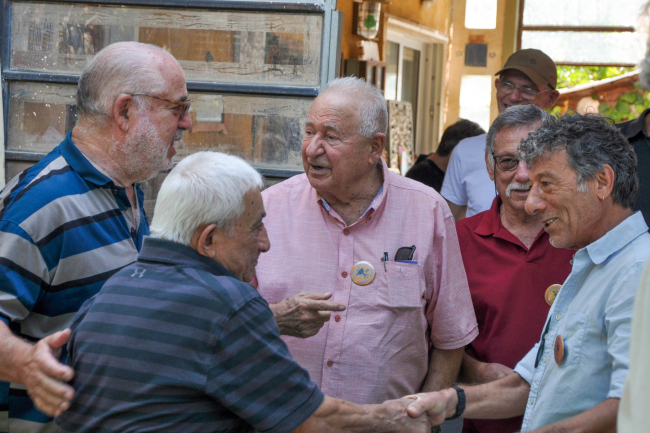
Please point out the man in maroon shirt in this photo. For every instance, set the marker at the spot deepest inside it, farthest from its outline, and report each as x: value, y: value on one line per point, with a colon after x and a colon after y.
x: 510, y: 264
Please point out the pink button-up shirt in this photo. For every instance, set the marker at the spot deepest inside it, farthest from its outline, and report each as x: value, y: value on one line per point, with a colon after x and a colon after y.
x: 377, y: 349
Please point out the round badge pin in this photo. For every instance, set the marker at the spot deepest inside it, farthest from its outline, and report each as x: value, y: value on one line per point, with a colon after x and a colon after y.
x: 551, y: 293
x: 362, y: 273
x: 558, y: 349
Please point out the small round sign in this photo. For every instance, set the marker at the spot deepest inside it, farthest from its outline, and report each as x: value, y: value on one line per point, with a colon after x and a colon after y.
x: 551, y: 293
x: 362, y: 273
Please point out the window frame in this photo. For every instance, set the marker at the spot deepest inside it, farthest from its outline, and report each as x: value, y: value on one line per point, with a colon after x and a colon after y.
x: 521, y: 27
x: 330, y: 60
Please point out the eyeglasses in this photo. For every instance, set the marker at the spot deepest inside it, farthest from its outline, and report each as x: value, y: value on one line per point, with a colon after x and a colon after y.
x: 185, y: 105
x: 527, y: 93
x: 505, y: 162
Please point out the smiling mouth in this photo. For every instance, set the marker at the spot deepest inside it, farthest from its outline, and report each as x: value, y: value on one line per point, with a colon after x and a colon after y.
x: 549, y: 222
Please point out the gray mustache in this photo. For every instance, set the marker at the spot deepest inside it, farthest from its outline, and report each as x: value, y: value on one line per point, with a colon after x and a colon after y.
x: 512, y: 186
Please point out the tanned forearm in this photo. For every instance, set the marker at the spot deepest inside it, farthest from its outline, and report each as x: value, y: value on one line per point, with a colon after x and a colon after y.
x: 12, y: 351
x: 443, y: 369
x: 503, y: 398
x: 457, y: 211
x: 335, y: 416
x: 474, y: 372
x: 599, y: 419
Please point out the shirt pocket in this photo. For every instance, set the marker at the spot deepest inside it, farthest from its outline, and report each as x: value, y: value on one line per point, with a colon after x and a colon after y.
x: 575, y: 330
x: 403, y: 288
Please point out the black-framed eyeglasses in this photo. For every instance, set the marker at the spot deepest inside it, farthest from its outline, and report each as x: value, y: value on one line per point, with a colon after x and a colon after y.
x: 185, y: 105
x: 528, y: 93
x: 505, y: 162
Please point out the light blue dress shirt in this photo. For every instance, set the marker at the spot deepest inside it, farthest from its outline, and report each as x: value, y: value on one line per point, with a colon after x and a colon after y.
x: 592, y: 313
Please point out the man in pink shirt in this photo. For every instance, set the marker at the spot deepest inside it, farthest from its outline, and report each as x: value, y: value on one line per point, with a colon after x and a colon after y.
x: 398, y: 326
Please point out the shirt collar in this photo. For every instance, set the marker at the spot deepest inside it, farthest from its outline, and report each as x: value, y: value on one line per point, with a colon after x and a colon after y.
x: 376, y: 203
x: 617, y: 238
x: 173, y: 253
x: 80, y: 164
x: 491, y: 220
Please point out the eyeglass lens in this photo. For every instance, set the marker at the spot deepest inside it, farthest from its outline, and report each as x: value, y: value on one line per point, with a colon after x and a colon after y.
x: 526, y: 92
x: 507, y: 162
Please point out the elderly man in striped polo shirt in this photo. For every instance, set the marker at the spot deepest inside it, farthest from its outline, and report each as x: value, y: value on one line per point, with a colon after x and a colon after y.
x: 74, y: 219
x: 180, y: 342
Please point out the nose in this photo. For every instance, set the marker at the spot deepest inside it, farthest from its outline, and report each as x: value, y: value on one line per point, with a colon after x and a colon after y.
x: 313, y: 146
x: 535, y: 203
x: 521, y: 173
x: 516, y: 95
x: 264, y: 244
x: 185, y: 122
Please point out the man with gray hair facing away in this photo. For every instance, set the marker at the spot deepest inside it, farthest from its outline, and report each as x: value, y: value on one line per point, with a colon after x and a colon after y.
x: 381, y: 247
x: 180, y: 342
x: 512, y: 269
x: 75, y: 218
x: 583, y: 187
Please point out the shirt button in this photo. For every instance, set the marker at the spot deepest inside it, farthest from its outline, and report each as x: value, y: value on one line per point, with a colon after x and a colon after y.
x: 330, y: 363
x: 544, y: 359
x: 337, y: 318
x: 532, y: 400
x: 558, y: 316
x: 346, y: 232
x: 344, y: 274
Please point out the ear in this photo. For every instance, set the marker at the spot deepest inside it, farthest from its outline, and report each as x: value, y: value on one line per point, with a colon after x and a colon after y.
x: 377, y: 146
x: 605, y: 182
x: 496, y: 82
x: 551, y: 99
x: 490, y: 167
x: 205, y: 240
x: 123, y: 111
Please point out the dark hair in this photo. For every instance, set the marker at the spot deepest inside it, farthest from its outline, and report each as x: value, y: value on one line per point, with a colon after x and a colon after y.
x: 590, y: 143
x: 454, y: 133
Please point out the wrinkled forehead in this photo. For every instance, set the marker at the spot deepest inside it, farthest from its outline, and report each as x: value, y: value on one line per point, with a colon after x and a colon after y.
x: 335, y: 109
x: 552, y: 163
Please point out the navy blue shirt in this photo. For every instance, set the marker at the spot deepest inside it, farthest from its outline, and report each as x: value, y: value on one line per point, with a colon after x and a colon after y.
x: 635, y: 132
x: 175, y: 342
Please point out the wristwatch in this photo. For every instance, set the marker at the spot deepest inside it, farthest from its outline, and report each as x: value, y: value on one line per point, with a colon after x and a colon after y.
x: 460, y: 407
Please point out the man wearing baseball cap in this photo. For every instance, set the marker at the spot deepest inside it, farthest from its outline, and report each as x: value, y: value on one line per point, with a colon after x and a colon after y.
x: 528, y: 77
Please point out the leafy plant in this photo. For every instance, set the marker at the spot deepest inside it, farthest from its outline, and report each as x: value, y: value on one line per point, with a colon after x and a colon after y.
x: 569, y: 76
x: 628, y: 106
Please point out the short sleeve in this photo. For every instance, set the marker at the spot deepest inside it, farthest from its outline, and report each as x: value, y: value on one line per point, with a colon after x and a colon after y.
x: 452, y: 186
x: 253, y: 375
x: 618, y: 323
x: 22, y: 272
x: 526, y: 367
x: 450, y: 312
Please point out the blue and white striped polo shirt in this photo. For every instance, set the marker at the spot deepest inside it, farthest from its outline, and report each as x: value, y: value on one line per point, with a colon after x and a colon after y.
x: 63, y: 233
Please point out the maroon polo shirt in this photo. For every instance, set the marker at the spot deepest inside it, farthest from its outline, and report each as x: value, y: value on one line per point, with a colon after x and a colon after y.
x: 507, y: 282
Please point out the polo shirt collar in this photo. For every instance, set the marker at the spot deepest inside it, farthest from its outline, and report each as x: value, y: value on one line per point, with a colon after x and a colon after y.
x: 617, y: 238
x: 80, y: 164
x: 173, y: 253
x: 491, y: 220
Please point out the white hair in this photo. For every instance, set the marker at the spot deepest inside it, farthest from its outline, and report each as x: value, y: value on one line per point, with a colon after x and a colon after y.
x: 373, y: 111
x: 204, y: 188
x: 119, y: 68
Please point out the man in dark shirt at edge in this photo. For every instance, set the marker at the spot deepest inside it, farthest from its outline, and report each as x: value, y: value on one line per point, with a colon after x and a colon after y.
x: 178, y: 341
x: 636, y: 131
x: 430, y: 169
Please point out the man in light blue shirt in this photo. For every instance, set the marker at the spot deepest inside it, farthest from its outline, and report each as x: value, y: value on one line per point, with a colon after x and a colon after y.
x: 583, y: 187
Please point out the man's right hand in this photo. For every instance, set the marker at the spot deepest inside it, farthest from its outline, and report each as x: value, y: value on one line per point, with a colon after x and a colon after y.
x: 435, y: 405
x: 304, y: 314
x: 397, y: 415
x: 45, y: 376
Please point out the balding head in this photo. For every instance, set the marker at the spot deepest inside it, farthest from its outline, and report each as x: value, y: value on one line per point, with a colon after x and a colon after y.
x: 123, y: 67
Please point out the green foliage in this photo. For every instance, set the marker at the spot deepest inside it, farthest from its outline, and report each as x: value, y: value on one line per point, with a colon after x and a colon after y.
x: 628, y: 106
x: 569, y: 76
